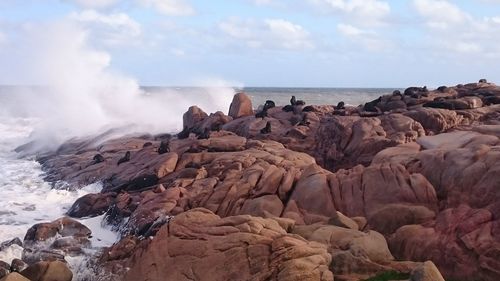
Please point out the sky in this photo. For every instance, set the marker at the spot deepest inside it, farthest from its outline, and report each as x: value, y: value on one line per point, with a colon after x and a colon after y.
x: 287, y: 43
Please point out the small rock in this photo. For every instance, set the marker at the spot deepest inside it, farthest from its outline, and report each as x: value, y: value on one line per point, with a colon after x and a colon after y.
x: 4, y: 272
x: 343, y: 221
x: 31, y: 256
x: 48, y: 271
x: 426, y: 272
x: 18, y: 265
x: 14, y: 276
x: 9, y: 243
x: 4, y: 265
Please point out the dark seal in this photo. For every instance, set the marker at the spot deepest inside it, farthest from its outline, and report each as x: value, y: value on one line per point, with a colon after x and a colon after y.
x: 267, y: 129
x: 124, y: 159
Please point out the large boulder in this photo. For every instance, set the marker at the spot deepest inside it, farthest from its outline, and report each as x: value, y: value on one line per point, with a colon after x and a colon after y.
x: 199, y: 245
x: 240, y: 106
x: 193, y: 116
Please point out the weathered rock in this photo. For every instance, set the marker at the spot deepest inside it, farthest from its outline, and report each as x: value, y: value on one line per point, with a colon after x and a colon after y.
x: 4, y: 269
x: 6, y: 244
x: 18, y: 265
x: 39, y: 253
x: 193, y: 116
x: 460, y: 242
x: 64, y: 226
x: 48, y: 271
x: 14, y: 276
x: 203, y: 246
x: 240, y: 106
x: 435, y: 120
x: 90, y: 205
x: 354, y: 253
x: 343, y: 221
x: 426, y: 272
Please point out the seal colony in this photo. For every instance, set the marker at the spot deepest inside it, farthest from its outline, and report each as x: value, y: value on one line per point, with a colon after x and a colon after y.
x: 404, y: 184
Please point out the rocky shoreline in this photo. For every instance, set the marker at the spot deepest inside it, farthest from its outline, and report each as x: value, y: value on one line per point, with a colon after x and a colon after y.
x: 405, y: 184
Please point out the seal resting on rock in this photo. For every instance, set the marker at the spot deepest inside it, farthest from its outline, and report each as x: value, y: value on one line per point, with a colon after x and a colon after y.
x: 308, y: 109
x: 269, y: 104
x: 483, y: 81
x: 372, y: 105
x: 440, y: 103
x: 164, y: 147
x: 98, y: 158
x: 489, y: 100
x: 124, y: 159
x: 146, y: 144
x: 267, y: 129
x: 442, y: 89
x: 287, y: 108
x: 304, y: 121
x: 261, y: 114
x: 416, y: 92
x: 340, y: 105
x: 397, y: 93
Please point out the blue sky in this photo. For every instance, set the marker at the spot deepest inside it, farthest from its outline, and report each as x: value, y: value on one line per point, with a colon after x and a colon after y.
x: 316, y: 43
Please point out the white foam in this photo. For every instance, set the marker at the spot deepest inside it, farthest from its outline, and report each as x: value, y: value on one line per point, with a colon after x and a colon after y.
x: 26, y: 199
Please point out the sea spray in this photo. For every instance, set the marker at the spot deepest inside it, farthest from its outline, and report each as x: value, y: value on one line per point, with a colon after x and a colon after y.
x: 81, y: 94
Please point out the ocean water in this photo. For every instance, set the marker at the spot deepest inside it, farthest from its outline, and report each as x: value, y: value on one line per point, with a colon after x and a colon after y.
x: 26, y: 199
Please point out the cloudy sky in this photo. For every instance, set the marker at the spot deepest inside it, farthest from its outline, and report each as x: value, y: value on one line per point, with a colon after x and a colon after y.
x: 316, y: 43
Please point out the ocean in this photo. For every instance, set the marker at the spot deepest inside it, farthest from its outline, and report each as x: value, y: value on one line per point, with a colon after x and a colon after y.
x: 26, y: 199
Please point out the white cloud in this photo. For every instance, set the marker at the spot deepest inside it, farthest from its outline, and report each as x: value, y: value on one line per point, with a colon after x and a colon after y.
x: 170, y: 7
x: 454, y: 30
x: 349, y: 30
x: 268, y: 33
x: 95, y: 4
x: 291, y: 36
x: 368, y: 39
x: 262, y: 2
x: 110, y: 29
x: 365, y: 12
x: 441, y: 14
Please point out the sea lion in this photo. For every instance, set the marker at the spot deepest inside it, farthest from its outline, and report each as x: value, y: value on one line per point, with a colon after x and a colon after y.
x: 308, y: 109
x: 293, y: 101
x: 205, y: 135
x: 372, y: 105
x: 124, y: 159
x: 340, y: 105
x: 98, y: 158
x: 267, y: 129
x: 184, y: 134
x: 304, y: 121
x: 146, y: 144
x: 287, y: 108
x: 483, y: 81
x: 269, y: 104
x: 300, y: 102
x: 489, y: 100
x: 164, y: 147
x: 442, y: 89
x: 216, y: 127
x: 261, y: 114
x: 416, y: 92
x: 440, y: 103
